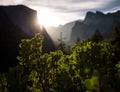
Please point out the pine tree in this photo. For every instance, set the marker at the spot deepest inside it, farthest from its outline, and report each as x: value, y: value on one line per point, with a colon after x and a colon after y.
x: 97, y: 37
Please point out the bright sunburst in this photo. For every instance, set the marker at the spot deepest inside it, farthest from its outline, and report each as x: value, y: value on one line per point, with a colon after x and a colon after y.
x: 47, y: 18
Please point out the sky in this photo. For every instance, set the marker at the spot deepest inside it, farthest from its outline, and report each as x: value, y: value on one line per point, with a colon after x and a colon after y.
x: 64, y: 11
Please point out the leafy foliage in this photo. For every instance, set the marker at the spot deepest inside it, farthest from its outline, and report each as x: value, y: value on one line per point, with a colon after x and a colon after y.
x: 89, y: 67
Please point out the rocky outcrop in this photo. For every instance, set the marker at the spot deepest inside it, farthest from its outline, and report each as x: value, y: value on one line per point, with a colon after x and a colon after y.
x: 16, y: 23
x: 93, y: 21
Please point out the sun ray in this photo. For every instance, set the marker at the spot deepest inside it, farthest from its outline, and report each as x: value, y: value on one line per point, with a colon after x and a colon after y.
x: 47, y: 18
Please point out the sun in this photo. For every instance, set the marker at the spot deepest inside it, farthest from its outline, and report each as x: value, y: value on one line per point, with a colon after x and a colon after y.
x: 47, y: 18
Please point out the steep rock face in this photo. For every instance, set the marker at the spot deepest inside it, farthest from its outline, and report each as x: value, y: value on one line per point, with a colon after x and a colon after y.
x: 93, y: 21
x: 78, y: 31
x: 16, y: 23
x: 64, y: 29
x: 22, y: 16
x: 10, y: 36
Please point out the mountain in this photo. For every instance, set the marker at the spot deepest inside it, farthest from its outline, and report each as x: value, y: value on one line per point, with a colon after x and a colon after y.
x: 102, y: 22
x: 84, y: 29
x: 66, y: 30
x: 16, y: 23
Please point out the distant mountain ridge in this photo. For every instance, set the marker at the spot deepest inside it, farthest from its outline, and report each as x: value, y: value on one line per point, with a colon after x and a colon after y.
x: 93, y: 21
x: 86, y: 28
x: 66, y: 30
x: 16, y: 23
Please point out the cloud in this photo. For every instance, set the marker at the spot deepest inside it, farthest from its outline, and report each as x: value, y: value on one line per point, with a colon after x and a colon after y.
x: 10, y: 2
x: 69, y: 9
x: 67, y: 6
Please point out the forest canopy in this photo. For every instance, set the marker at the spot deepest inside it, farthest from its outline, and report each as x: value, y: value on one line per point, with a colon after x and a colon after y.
x: 89, y: 66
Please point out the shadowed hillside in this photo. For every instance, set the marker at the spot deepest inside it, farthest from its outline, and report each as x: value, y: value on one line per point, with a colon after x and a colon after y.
x: 16, y: 23
x: 103, y: 22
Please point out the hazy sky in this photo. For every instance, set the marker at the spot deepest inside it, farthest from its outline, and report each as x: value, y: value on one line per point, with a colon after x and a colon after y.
x: 68, y: 10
